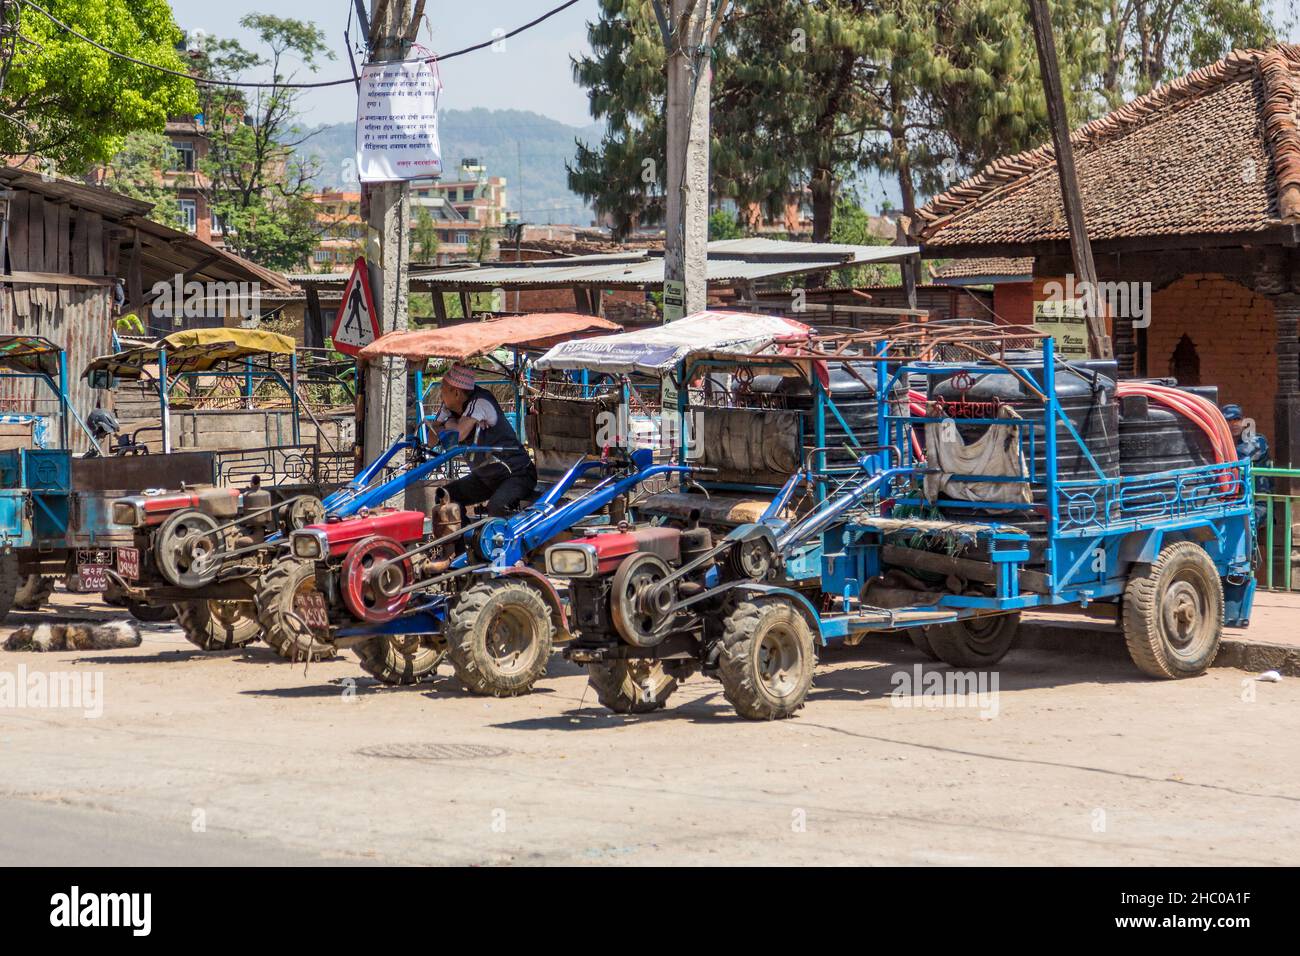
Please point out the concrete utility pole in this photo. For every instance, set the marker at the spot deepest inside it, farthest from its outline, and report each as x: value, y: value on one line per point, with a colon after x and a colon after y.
x: 689, y: 32
x: 387, y: 208
x: 1099, y: 344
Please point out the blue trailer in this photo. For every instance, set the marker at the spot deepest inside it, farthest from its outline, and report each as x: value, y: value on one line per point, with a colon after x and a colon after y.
x: 890, y: 542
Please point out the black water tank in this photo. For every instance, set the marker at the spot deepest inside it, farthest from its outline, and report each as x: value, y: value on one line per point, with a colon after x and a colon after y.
x: 1085, y: 391
x: 1153, y: 437
x: 854, y: 394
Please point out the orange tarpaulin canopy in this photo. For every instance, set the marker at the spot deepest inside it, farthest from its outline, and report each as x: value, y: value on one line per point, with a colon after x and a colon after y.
x: 469, y: 340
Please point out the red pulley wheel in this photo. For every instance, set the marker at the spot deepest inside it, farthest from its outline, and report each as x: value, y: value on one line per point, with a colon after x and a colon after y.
x: 372, y: 586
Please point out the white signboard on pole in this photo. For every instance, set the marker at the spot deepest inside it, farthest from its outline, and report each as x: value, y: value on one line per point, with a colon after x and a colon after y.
x: 397, y: 122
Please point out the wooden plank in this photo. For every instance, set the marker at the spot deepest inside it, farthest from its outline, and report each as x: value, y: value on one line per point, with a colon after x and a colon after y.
x: 81, y: 243
x: 981, y: 571
x: 57, y: 279
x: 18, y: 230
x: 95, y: 240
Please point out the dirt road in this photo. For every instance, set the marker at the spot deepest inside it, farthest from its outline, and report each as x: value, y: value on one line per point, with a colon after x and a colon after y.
x: 238, y: 757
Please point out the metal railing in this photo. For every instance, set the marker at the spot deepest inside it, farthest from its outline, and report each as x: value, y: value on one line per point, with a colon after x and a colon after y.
x: 1275, y: 572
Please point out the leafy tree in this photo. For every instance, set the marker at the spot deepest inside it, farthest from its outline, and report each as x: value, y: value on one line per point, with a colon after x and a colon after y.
x: 424, y: 235
x: 140, y: 171
x: 811, y: 94
x: 250, y: 176
x: 723, y: 225
x: 72, y: 105
x: 852, y: 226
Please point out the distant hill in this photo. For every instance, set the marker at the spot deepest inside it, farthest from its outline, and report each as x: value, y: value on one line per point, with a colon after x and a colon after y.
x: 528, y: 149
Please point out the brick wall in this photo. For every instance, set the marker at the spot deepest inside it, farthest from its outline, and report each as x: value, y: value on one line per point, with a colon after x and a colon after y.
x: 1234, y: 332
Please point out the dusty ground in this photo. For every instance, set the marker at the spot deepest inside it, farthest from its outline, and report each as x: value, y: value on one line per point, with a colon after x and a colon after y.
x: 239, y: 758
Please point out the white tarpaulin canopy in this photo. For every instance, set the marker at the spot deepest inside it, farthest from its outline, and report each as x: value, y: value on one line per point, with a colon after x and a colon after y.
x: 656, y: 350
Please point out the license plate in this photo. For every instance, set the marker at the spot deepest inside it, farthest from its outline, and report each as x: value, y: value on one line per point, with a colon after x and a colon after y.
x: 128, y: 563
x: 310, y: 606
x: 93, y: 577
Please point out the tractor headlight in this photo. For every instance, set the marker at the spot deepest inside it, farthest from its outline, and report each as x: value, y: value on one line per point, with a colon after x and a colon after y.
x: 571, y: 561
x: 127, y: 511
x: 310, y: 545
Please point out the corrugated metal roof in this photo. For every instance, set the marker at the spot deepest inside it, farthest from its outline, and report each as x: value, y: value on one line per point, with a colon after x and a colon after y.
x: 729, y: 260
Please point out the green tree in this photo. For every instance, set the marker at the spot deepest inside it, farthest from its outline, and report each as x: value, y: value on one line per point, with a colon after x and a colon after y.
x: 723, y: 225
x: 250, y: 176
x: 71, y: 105
x: 852, y: 226
x: 424, y: 236
x: 139, y: 170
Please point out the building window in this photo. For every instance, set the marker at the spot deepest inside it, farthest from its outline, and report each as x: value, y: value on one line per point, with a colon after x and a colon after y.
x: 184, y: 156
x: 189, y: 213
x: 462, y: 238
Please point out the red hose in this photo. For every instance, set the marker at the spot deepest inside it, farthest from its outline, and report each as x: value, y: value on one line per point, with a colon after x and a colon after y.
x: 1200, y: 411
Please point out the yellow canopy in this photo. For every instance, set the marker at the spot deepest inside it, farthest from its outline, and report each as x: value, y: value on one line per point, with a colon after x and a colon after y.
x: 28, y: 354
x: 193, y: 350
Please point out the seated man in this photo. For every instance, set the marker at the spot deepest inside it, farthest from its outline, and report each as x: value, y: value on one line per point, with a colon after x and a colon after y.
x: 503, y: 479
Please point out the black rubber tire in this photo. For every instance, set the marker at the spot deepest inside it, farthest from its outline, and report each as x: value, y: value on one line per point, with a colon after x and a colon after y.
x: 469, y: 628
x: 233, y: 625
x: 1183, y: 579
x: 399, y: 660
x: 274, y: 599
x: 976, y: 642
x: 920, y: 638
x: 151, y: 613
x: 631, y: 687
x: 9, y: 581
x: 756, y: 683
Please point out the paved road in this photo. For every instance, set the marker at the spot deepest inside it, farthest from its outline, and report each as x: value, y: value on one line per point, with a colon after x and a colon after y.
x: 1072, y: 760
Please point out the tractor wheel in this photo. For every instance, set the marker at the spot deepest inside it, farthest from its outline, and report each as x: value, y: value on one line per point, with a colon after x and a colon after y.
x: 499, y: 635
x: 34, y: 591
x: 631, y: 687
x: 282, y: 627
x: 151, y: 613
x: 9, y: 581
x: 218, y: 625
x: 976, y: 641
x: 1173, y: 613
x: 399, y: 659
x: 920, y: 638
x: 767, y: 662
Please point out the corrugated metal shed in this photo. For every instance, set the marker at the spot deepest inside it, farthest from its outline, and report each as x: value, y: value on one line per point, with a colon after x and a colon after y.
x: 730, y: 260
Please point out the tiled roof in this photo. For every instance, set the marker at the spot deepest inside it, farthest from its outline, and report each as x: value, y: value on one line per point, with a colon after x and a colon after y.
x: 1215, y: 151
x: 984, y: 268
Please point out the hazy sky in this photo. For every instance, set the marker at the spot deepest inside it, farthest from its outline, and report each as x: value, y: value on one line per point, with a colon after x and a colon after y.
x: 532, y: 73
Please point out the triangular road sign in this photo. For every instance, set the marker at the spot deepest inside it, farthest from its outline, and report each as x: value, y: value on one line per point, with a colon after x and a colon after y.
x: 357, y: 324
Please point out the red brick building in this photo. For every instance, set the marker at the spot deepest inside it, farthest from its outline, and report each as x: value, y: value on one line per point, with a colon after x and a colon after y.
x: 1192, y: 200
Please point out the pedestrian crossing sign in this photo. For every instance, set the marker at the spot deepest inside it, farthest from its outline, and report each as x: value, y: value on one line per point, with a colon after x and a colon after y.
x: 357, y: 324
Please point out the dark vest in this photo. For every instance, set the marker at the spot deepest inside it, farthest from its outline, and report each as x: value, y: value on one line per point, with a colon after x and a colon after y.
x: 500, y: 435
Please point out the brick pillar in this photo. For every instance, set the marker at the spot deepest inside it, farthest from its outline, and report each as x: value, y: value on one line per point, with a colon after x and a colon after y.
x: 1286, y: 408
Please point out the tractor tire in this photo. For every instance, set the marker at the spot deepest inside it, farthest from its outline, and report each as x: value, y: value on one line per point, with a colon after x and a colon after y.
x: 768, y: 658
x: 1173, y: 613
x: 151, y: 613
x: 976, y: 642
x: 33, y: 591
x: 218, y: 625
x: 499, y: 636
x: 631, y: 687
x: 9, y: 581
x: 281, y: 626
x: 920, y: 638
x: 399, y: 659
